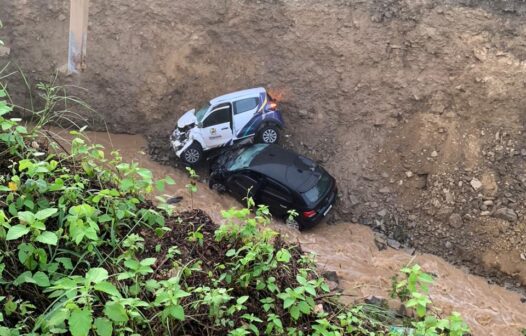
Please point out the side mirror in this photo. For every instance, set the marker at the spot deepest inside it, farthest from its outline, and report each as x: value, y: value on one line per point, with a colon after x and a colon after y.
x: 200, y: 124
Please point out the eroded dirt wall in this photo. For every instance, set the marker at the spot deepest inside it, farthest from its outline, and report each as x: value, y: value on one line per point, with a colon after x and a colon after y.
x: 417, y: 107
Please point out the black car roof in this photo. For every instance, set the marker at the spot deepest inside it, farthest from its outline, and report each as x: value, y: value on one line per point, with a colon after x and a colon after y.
x: 286, y: 167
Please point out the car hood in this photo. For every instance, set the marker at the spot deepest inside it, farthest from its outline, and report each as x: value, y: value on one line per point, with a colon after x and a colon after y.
x: 187, y: 119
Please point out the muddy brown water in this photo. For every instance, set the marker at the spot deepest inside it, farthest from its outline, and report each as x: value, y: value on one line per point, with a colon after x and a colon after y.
x: 349, y: 249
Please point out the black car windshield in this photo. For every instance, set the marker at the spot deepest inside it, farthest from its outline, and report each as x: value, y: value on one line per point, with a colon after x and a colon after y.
x: 242, y: 158
x: 200, y: 114
x: 314, y: 194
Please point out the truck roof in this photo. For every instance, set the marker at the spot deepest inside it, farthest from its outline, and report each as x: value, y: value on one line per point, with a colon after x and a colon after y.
x: 254, y: 92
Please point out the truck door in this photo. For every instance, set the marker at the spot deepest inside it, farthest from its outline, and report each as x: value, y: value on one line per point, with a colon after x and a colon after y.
x: 216, y: 128
x: 244, y: 110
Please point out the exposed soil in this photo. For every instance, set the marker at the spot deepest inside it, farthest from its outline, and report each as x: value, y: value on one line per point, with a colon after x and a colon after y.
x: 416, y: 107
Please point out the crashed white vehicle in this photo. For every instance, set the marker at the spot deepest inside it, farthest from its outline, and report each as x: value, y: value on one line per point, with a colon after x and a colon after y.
x: 225, y: 120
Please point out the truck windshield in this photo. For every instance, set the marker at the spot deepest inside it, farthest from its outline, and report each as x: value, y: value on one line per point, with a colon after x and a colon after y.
x: 200, y: 114
x: 242, y: 158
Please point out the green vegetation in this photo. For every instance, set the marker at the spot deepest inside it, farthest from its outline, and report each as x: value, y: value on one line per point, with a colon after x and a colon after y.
x: 85, y: 252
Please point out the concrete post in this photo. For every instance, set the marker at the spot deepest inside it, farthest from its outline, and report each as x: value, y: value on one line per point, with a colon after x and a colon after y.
x: 78, y: 33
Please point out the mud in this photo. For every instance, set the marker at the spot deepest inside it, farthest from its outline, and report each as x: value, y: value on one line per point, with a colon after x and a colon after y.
x: 350, y: 250
x: 405, y: 102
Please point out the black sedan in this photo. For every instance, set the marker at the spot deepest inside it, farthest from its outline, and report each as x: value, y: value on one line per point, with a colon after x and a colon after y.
x: 276, y: 177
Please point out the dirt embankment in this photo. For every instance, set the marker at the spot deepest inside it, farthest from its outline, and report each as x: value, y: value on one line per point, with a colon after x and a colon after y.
x: 416, y: 107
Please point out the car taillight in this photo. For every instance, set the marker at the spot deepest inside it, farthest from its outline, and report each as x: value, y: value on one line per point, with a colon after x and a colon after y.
x: 309, y: 214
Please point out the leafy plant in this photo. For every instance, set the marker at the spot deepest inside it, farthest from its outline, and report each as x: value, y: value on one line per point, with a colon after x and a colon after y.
x: 192, y: 186
x: 85, y: 252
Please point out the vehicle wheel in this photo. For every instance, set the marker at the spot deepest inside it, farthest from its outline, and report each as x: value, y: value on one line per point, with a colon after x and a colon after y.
x: 218, y: 187
x: 193, y: 154
x: 268, y: 135
x: 292, y: 223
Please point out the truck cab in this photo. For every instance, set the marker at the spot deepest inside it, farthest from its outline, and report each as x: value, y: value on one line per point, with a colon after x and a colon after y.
x: 225, y: 120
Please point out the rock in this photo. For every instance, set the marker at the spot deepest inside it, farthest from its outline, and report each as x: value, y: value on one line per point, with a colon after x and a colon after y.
x: 434, y: 154
x: 331, y: 276
x: 455, y: 220
x: 174, y: 200
x: 506, y: 214
x: 448, y: 245
x: 354, y: 200
x: 444, y: 213
x: 410, y: 250
x: 385, y: 190
x: 449, y: 197
x: 409, y: 174
x: 475, y: 184
x: 488, y: 203
x: 376, y: 301
x: 489, y: 184
x: 380, y: 241
x: 394, y: 244
x: 523, y: 152
x: 4, y: 51
x: 369, y: 177
x: 523, y: 256
x: 382, y: 213
x: 62, y: 17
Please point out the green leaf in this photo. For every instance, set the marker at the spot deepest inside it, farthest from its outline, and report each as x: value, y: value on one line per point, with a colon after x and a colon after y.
x: 295, y: 312
x: 41, y: 279
x: 66, y: 262
x: 148, y: 261
x: 288, y: 302
x: 242, y: 299
x: 283, y: 255
x: 80, y: 322
x: 46, y: 213
x: 25, y: 277
x: 177, y: 312
x: 108, y: 288
x: 96, y: 275
x: 26, y: 217
x: 47, y: 237
x: 24, y: 164
x: 145, y: 173
x: 58, y: 317
x: 103, y: 326
x: 16, y: 232
x: 115, y: 311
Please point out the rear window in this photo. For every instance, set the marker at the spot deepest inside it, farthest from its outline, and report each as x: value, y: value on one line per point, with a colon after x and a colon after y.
x: 314, y: 194
x: 245, y: 105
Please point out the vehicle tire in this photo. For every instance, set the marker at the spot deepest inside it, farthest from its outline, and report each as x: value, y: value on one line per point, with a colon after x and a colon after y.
x: 292, y: 223
x: 217, y: 186
x: 193, y: 154
x: 268, y: 134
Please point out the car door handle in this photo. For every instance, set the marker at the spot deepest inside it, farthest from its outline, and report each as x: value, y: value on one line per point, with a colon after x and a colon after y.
x: 224, y: 128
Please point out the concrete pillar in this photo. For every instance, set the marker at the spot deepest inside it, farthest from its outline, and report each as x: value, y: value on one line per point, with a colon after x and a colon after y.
x: 78, y: 33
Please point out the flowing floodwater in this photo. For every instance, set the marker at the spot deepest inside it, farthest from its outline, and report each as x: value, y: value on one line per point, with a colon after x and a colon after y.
x: 349, y: 249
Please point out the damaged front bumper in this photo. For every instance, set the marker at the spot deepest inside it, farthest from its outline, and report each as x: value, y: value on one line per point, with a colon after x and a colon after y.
x: 180, y: 141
